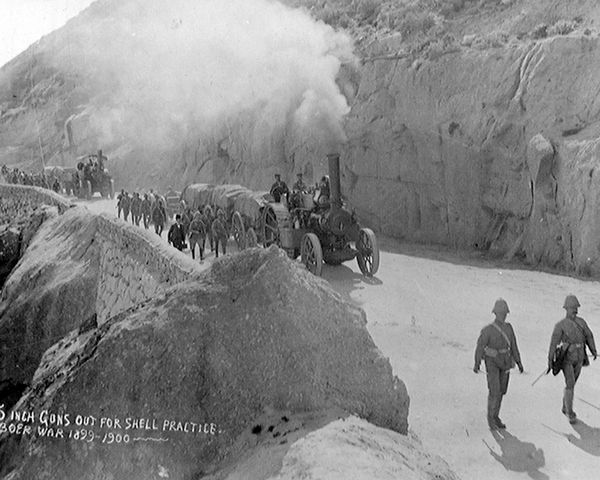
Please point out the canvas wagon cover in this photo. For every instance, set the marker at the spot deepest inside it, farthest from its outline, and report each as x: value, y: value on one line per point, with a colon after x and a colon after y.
x: 250, y: 203
x: 197, y: 194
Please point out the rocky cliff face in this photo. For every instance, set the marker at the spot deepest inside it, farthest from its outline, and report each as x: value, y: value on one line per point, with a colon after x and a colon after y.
x: 483, y: 135
x: 491, y: 149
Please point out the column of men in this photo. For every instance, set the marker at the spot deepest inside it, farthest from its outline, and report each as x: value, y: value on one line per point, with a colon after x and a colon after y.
x: 497, y: 346
x: 20, y: 177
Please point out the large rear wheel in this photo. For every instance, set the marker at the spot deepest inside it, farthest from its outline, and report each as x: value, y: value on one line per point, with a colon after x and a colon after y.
x: 368, y: 252
x: 312, y: 254
x: 270, y: 227
x: 251, y: 240
x: 238, y: 230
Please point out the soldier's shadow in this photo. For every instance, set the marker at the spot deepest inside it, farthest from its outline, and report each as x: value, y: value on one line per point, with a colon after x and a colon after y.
x: 519, y: 456
x: 588, y: 440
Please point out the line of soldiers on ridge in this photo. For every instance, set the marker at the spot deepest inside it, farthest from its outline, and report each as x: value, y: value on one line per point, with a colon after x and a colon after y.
x: 497, y: 346
x: 20, y: 177
x: 196, y: 227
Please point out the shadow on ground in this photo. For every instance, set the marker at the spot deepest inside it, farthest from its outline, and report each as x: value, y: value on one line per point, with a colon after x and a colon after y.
x: 518, y: 456
x: 345, y: 280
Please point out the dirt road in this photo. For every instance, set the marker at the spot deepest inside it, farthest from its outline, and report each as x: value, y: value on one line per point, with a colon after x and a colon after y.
x: 425, y: 314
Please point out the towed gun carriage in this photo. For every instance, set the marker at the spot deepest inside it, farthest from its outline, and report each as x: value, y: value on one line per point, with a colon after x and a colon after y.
x: 318, y: 233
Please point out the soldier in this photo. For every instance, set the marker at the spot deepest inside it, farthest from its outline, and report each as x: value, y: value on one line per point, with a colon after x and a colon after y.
x: 146, y: 210
x: 300, y: 186
x: 159, y: 217
x: 219, y: 233
x: 176, y: 235
x: 197, y: 234
x: 126, y: 205
x: 574, y: 333
x: 279, y: 188
x: 324, y: 191
x: 208, y: 220
x: 498, y: 343
x: 136, y: 209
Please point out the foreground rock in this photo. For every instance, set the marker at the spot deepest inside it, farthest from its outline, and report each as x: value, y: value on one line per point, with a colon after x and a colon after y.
x: 255, y: 340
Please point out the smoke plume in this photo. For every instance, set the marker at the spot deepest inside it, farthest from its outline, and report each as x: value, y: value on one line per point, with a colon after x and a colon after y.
x: 183, y: 66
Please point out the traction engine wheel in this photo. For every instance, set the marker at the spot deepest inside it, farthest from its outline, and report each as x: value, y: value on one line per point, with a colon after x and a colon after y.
x: 88, y: 189
x: 238, y: 230
x: 270, y: 228
x: 251, y: 240
x: 311, y: 254
x: 368, y: 252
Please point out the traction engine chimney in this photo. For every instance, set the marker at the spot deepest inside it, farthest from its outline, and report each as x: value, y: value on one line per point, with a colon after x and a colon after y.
x: 334, y: 179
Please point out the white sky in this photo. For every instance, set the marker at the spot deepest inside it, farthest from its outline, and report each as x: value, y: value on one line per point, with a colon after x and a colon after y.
x: 23, y: 22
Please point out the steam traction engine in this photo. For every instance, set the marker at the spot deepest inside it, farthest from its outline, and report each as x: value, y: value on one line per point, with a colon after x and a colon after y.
x: 320, y: 233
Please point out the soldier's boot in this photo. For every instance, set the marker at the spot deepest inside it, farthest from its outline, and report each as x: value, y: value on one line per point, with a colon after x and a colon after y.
x: 568, y: 405
x: 499, y: 422
x: 491, y: 412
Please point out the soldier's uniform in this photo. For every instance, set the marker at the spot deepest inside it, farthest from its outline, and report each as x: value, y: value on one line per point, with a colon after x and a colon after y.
x: 136, y: 209
x: 574, y: 332
x: 279, y: 188
x: 219, y: 232
x: 146, y: 209
x: 300, y: 186
x: 497, y: 346
x: 197, y: 234
x: 208, y: 220
x: 158, y: 217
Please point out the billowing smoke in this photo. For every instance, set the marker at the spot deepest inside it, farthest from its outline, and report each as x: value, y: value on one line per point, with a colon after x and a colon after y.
x: 171, y: 67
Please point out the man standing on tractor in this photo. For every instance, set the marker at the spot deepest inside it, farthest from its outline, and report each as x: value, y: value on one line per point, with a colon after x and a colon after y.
x: 300, y: 186
x: 279, y: 188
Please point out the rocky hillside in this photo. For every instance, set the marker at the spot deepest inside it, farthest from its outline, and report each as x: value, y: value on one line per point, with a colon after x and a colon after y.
x: 471, y: 123
x: 211, y: 375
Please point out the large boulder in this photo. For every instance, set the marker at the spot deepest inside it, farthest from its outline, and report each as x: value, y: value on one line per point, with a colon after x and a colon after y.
x: 51, y: 291
x: 256, y: 339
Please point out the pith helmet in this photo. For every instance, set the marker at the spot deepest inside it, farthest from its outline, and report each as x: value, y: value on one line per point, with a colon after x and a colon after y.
x: 571, y: 301
x: 500, y: 306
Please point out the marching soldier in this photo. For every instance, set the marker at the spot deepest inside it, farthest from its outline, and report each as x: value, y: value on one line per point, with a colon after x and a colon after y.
x: 159, y: 217
x: 146, y: 210
x: 574, y: 333
x: 136, y: 208
x: 208, y: 220
x: 197, y: 234
x: 219, y: 232
x: 497, y: 343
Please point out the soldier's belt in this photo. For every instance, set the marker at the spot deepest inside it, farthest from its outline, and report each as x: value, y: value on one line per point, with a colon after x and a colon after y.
x: 492, y: 352
x: 577, y: 345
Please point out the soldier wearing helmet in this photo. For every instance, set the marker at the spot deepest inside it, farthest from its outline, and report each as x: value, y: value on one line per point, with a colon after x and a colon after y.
x: 572, y: 332
x: 219, y: 232
x: 497, y: 345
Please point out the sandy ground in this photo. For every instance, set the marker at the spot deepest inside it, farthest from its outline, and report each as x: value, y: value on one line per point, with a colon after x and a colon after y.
x: 425, y: 310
